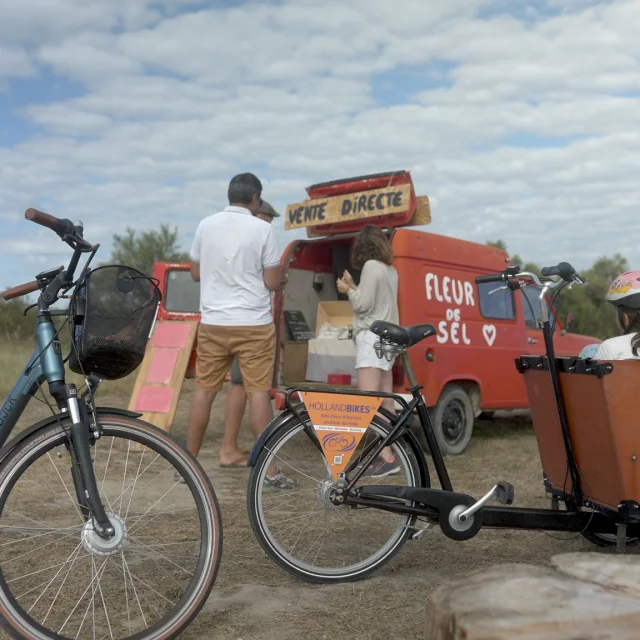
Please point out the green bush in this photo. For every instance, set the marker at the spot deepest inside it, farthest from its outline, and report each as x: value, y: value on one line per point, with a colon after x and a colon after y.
x: 14, y: 326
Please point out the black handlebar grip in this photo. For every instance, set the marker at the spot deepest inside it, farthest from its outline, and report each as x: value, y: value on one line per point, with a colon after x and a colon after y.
x: 562, y: 269
x: 61, y: 226
x: 492, y: 277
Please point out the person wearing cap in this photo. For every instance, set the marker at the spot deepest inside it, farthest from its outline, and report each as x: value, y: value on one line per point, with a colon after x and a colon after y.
x: 236, y: 399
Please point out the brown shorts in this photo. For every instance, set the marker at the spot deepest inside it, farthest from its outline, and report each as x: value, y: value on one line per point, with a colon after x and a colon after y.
x: 255, y: 348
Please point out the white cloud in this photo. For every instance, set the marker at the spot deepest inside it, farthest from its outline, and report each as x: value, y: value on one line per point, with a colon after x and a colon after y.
x: 521, y: 126
x: 15, y: 62
x: 91, y: 58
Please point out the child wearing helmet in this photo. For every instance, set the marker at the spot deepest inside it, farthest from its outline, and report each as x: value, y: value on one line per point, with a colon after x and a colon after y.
x: 624, y: 294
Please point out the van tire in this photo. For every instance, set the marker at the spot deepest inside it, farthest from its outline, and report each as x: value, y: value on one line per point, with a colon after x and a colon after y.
x: 452, y: 419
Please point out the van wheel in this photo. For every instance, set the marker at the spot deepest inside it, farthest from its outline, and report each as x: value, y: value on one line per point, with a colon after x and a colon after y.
x: 452, y: 420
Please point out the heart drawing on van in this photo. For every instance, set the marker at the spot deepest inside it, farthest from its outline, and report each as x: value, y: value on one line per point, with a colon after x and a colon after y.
x: 489, y: 333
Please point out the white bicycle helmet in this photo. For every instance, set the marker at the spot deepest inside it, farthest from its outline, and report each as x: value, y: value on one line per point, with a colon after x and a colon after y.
x: 624, y: 294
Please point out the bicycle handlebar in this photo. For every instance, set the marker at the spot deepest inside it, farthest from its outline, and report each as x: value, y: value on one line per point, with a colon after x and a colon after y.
x: 511, y: 275
x: 492, y: 277
x: 20, y: 290
x: 562, y: 269
x: 61, y: 226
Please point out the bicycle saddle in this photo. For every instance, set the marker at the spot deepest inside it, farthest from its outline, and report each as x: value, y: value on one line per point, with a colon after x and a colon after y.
x: 402, y: 336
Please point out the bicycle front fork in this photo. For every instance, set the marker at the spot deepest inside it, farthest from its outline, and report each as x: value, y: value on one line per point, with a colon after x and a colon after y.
x: 82, y: 470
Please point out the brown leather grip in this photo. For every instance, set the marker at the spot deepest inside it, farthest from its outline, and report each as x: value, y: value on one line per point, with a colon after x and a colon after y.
x: 20, y: 290
x: 42, y: 218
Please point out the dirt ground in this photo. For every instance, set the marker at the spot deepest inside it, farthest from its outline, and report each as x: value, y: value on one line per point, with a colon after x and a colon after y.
x: 253, y: 598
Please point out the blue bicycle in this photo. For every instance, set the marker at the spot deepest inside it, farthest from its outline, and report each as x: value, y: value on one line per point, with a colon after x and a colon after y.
x: 109, y: 528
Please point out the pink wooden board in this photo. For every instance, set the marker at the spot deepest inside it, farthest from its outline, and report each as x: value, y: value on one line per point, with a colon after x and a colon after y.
x: 154, y: 399
x: 163, y: 364
x: 171, y: 334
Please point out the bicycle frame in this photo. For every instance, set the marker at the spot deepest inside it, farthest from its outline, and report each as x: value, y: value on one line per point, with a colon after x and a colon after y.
x: 44, y: 365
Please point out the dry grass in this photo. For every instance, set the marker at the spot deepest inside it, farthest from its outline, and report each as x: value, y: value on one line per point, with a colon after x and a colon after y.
x: 14, y: 357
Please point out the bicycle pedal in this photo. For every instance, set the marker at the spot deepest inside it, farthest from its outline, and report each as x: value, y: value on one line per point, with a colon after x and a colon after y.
x: 505, y: 492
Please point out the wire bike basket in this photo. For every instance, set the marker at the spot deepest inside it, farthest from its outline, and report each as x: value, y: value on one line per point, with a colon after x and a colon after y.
x: 112, y: 315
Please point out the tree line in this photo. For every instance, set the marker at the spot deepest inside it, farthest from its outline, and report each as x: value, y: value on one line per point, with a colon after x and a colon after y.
x: 592, y: 315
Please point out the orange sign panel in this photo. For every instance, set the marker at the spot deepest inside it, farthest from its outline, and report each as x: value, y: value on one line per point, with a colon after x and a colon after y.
x: 340, y: 421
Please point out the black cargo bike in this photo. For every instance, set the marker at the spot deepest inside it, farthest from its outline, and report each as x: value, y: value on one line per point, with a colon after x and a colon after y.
x: 324, y: 530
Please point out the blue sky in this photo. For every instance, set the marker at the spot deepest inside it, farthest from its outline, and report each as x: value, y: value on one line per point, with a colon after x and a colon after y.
x: 520, y: 120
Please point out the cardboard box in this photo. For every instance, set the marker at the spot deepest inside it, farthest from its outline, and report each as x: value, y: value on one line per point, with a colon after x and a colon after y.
x: 338, y: 314
x: 294, y: 366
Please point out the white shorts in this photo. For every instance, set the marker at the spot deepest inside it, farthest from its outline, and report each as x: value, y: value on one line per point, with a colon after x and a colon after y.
x: 365, y: 354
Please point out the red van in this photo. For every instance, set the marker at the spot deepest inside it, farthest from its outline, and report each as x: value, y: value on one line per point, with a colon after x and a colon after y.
x: 467, y: 369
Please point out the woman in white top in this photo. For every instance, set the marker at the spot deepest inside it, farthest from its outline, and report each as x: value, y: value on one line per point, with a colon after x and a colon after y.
x: 624, y: 294
x: 375, y: 298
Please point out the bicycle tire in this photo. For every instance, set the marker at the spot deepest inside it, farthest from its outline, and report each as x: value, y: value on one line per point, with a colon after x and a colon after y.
x: 20, y: 625
x: 260, y: 528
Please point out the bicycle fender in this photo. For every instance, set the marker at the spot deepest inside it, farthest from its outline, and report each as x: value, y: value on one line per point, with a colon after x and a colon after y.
x: 53, y: 419
x: 286, y: 416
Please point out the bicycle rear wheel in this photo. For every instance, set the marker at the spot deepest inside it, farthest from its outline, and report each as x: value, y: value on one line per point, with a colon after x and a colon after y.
x: 303, y: 531
x: 59, y: 579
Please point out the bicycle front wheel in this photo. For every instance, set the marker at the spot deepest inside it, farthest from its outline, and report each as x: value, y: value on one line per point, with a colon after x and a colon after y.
x: 59, y: 579
x: 299, y: 526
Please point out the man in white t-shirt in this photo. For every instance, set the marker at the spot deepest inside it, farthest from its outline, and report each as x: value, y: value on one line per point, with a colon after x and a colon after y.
x: 236, y: 260
x: 236, y: 397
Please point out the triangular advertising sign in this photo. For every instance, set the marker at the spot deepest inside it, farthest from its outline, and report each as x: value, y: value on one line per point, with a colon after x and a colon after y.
x: 340, y: 420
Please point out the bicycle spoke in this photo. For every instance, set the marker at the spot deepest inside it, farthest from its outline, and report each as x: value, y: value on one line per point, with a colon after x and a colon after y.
x: 126, y: 593
x: 104, y: 564
x: 40, y: 535
x: 134, y: 485
x: 124, y: 477
x: 136, y: 541
x: 135, y: 591
x: 154, y: 479
x: 151, y: 507
x: 77, y: 553
x: 104, y: 606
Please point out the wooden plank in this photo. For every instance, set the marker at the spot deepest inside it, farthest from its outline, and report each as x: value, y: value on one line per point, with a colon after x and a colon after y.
x: 352, y: 206
x: 583, y: 596
x: 422, y: 213
x: 157, y: 389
